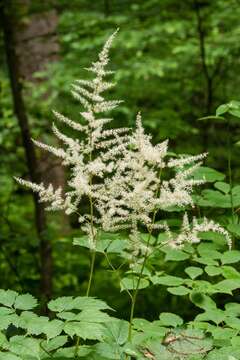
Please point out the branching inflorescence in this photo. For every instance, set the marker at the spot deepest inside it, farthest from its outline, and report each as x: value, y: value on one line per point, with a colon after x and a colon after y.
x: 125, y: 178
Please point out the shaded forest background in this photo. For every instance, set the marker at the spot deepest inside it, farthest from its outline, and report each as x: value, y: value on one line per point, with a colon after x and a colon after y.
x: 176, y: 61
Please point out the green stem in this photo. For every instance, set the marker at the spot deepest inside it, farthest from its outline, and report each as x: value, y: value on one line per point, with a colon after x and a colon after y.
x: 91, y: 272
x: 230, y: 166
x: 134, y: 298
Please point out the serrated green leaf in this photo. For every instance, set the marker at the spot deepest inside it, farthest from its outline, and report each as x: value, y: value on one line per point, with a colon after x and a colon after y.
x: 53, y: 328
x: 7, y: 297
x: 85, y: 302
x: 25, y: 302
x: 24, y: 346
x: 85, y: 330
x: 94, y: 316
x: 54, y: 343
x: 61, y: 304
x: 6, y: 311
x: 116, y: 331
x: 3, y: 341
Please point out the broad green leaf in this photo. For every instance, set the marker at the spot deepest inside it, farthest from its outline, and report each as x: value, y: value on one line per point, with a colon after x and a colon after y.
x: 222, y: 333
x: 218, y: 240
x: 206, y: 250
x: 70, y: 352
x: 230, y: 272
x: 24, y: 346
x: 32, y: 323
x: 94, y: 316
x: 101, y: 244
x: 179, y: 290
x: 61, y: 304
x: 222, y: 109
x: 234, y: 228
x: 235, y: 341
x: 148, y: 330
x: 6, y: 311
x: 7, y: 297
x: 208, y: 174
x: 233, y: 322
x: 230, y: 257
x: 117, y: 246
x: 25, y: 302
x: 110, y: 351
x: 206, y: 261
x: 3, y: 341
x: 216, y: 315
x: 8, y: 356
x: 85, y: 302
x: 130, y: 283
x: 85, y: 330
x: 116, y: 331
x: 169, y: 280
x: 213, y: 270
x: 227, y: 286
x: 169, y: 319
x: 67, y: 303
x: 53, y: 328
x: 232, y: 309
x: 222, y: 186
x: 55, y: 343
x: 193, y: 271
x: 175, y: 254
x: 201, y: 300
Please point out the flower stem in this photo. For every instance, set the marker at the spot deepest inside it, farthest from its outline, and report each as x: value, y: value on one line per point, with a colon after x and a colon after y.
x: 93, y: 257
x: 134, y: 298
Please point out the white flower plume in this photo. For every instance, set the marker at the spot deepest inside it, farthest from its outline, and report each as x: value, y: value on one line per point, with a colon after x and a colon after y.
x: 124, y: 178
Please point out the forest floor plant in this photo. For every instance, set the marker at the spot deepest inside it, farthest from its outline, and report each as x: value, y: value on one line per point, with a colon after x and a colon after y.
x: 122, y: 188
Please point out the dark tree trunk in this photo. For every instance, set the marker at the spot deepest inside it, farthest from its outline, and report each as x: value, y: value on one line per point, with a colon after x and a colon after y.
x: 37, y: 46
x: 7, y: 18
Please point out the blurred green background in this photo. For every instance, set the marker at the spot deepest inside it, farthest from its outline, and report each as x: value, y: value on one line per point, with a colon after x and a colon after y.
x: 176, y: 61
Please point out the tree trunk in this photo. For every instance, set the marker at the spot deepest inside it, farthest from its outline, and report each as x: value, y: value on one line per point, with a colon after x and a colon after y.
x: 37, y: 46
x: 7, y: 20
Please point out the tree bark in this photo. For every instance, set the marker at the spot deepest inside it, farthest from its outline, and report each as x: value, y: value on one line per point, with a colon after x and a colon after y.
x: 7, y: 19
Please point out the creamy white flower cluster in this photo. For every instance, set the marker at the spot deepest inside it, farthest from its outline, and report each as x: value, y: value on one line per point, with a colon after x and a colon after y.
x: 190, y: 232
x: 137, y: 188
x: 91, y: 157
x: 123, y: 176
